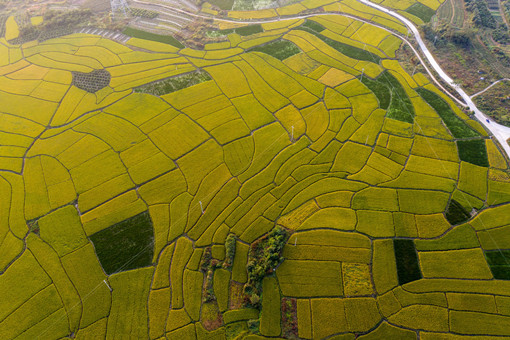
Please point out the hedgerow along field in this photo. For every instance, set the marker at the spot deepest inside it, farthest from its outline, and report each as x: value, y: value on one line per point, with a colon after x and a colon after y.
x: 238, y: 192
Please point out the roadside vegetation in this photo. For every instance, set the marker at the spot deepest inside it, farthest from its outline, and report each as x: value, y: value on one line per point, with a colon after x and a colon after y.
x: 457, y: 126
x: 306, y: 190
x: 495, y: 102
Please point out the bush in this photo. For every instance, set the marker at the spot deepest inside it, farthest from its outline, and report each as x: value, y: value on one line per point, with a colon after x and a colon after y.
x: 482, y: 15
x: 264, y: 257
x: 230, y: 250
x: 92, y: 81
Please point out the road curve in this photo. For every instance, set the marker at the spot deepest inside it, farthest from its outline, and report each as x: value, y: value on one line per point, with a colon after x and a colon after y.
x: 488, y: 87
x: 500, y: 132
x: 305, y: 16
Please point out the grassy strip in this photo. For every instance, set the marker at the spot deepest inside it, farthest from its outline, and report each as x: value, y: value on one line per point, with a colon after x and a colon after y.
x: 244, y: 31
x: 381, y: 91
x: 473, y: 151
x: 456, y: 214
x: 457, y: 126
x: 173, y: 84
x: 125, y: 245
x: 249, y: 30
x: 391, y: 96
x: 314, y: 26
x: 230, y: 250
x: 348, y: 50
x: 421, y: 11
x: 408, y: 269
x: 498, y: 261
x: 280, y: 49
x: 165, y: 39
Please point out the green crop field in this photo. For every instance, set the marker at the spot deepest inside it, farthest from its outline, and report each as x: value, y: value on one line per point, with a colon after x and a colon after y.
x: 292, y: 181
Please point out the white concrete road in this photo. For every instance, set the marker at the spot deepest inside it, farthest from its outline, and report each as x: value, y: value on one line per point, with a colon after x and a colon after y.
x: 500, y: 132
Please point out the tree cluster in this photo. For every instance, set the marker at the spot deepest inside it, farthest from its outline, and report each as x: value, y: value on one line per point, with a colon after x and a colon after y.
x: 482, y: 15
x: 446, y: 33
x: 55, y: 21
x: 265, y: 256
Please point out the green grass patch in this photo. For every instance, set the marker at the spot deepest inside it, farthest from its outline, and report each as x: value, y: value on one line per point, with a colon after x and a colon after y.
x: 456, y: 214
x: 381, y: 91
x: 249, y: 30
x: 314, y: 26
x: 280, y: 49
x: 473, y: 151
x: 408, y: 269
x: 457, y: 126
x: 391, y: 96
x: 173, y: 84
x: 346, y: 49
x: 165, y: 39
x: 499, y: 263
x: 223, y: 4
x: 244, y: 31
x: 421, y: 11
x: 125, y: 245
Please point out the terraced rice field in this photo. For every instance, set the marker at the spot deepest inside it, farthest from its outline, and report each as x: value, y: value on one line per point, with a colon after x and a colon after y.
x: 318, y: 192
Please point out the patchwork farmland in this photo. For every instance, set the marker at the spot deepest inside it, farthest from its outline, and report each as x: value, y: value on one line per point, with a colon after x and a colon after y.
x: 291, y: 181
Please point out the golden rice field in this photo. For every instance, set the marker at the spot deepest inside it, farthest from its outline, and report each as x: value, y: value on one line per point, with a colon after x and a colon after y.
x: 323, y: 193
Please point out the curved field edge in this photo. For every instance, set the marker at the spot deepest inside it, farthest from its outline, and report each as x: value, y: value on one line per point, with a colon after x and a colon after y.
x: 301, y: 143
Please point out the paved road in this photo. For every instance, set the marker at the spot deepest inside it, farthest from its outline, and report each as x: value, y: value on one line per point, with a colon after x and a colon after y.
x: 500, y: 132
x: 303, y: 16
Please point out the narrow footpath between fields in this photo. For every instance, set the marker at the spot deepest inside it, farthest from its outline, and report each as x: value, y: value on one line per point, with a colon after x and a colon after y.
x: 500, y: 132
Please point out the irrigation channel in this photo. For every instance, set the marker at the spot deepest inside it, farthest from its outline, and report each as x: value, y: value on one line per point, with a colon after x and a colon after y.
x: 500, y: 132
